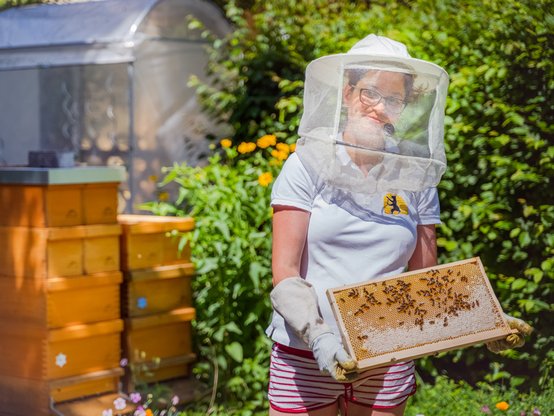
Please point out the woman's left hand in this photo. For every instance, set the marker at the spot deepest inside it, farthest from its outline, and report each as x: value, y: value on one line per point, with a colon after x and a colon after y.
x: 515, y: 340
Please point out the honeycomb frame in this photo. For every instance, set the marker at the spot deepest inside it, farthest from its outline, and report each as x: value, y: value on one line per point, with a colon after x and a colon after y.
x: 418, y: 313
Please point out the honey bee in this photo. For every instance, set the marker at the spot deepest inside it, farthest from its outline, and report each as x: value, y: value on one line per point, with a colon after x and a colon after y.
x: 353, y: 293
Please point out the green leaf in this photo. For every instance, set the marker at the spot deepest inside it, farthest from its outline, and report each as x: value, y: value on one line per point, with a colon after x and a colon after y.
x: 254, y: 271
x: 518, y: 284
x: 234, y: 350
x: 222, y: 226
x: 232, y: 327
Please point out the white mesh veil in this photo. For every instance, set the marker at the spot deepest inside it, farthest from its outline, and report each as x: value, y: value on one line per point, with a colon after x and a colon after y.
x: 354, y: 150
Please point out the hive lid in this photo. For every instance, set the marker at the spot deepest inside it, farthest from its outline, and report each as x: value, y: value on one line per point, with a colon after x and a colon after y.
x: 145, y: 224
x: 61, y: 176
x: 418, y: 313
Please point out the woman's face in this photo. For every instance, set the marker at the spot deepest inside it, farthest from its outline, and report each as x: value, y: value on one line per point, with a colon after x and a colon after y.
x: 376, y: 100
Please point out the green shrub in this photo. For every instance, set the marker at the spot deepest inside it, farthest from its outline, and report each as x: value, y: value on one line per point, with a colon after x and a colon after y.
x: 446, y: 397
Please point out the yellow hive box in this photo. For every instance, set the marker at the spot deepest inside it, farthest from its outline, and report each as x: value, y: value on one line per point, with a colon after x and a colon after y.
x: 59, y: 251
x: 161, y: 343
x: 418, y: 313
x: 147, y: 242
x: 157, y: 290
x: 63, y: 363
x: 58, y: 302
x: 58, y: 205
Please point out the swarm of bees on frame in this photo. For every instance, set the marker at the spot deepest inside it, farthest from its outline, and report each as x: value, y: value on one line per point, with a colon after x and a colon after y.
x: 438, y: 298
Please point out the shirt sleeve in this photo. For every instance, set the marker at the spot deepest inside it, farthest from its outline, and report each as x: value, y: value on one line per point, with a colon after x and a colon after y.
x: 428, y: 207
x: 293, y: 187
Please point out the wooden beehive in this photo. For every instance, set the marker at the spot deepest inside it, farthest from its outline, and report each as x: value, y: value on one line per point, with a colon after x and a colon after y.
x: 59, y: 251
x: 46, y: 205
x: 61, y: 364
x: 157, y: 290
x: 418, y: 313
x: 149, y: 241
x: 59, y: 302
x: 161, y: 343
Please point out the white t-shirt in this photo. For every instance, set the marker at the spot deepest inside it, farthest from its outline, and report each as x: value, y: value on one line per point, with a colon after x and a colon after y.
x: 345, y: 246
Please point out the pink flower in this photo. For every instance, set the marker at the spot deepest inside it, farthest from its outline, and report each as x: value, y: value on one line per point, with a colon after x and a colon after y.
x: 123, y: 362
x: 485, y: 409
x: 175, y: 400
x: 119, y: 403
x: 135, y: 397
x: 536, y: 412
x: 107, y: 412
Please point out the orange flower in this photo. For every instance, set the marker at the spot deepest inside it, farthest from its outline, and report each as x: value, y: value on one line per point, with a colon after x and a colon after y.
x: 226, y: 143
x: 502, y: 406
x: 279, y: 154
x: 283, y: 147
x: 267, y: 140
x: 265, y: 178
x: 246, y: 147
x: 292, y: 147
x: 148, y: 412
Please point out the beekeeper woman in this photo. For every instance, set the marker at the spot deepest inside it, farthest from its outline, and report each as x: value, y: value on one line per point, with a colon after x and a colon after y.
x: 356, y: 201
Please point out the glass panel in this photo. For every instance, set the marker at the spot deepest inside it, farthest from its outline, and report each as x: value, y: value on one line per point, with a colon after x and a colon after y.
x: 170, y: 19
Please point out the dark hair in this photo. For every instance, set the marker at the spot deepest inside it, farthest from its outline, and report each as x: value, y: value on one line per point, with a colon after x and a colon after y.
x: 354, y: 76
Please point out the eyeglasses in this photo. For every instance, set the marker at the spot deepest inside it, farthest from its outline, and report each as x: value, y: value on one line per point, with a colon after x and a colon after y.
x: 371, y: 97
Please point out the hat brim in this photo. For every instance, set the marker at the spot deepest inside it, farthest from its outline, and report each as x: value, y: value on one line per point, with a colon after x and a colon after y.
x: 329, y: 69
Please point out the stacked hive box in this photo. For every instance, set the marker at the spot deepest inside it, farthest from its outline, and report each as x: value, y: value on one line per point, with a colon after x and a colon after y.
x: 156, y: 298
x: 59, y: 285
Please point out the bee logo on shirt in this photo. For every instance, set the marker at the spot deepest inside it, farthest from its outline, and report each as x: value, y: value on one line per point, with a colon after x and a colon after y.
x: 393, y: 204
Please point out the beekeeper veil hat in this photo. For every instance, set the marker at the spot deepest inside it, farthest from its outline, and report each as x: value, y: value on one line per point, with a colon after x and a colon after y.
x: 405, y: 151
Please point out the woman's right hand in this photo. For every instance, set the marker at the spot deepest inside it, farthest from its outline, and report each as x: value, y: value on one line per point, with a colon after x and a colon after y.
x: 333, y: 359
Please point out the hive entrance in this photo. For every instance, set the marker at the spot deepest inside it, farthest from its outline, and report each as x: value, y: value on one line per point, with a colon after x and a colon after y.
x: 418, y: 313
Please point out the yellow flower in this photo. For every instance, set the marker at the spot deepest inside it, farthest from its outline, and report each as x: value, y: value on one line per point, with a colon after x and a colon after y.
x: 163, y: 196
x: 225, y: 143
x: 267, y: 140
x: 502, y: 406
x: 292, y: 147
x: 153, y: 178
x: 279, y: 154
x: 265, y: 178
x: 283, y: 147
x: 246, y: 147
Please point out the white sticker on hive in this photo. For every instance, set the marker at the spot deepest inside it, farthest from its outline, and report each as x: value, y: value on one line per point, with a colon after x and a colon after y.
x: 418, y: 313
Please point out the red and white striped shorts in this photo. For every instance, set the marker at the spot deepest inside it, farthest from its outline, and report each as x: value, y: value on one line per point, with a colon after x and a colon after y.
x: 296, y: 385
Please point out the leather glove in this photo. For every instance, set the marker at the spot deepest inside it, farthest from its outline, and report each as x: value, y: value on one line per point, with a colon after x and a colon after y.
x: 516, y: 340
x: 296, y: 301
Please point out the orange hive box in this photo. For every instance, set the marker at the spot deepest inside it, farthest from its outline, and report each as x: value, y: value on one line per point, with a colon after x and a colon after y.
x: 31, y: 199
x: 58, y: 302
x: 418, y: 313
x: 159, y: 347
x: 59, y: 251
x: 147, y: 240
x: 157, y: 290
x: 60, y: 364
